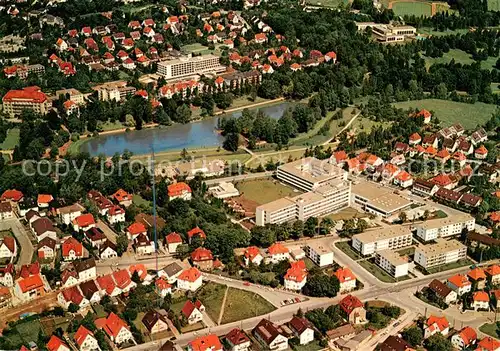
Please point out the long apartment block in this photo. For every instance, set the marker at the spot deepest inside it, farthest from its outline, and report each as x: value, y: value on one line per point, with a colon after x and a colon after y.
x: 440, y: 253
x: 444, y: 227
x: 394, y: 237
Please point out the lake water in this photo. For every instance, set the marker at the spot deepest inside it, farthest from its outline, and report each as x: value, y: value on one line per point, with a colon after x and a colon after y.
x: 176, y: 137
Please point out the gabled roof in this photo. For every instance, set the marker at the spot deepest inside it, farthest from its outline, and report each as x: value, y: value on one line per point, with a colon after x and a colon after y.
x: 71, y: 244
x: 440, y: 322
x: 73, y: 295
x: 191, y: 274
x: 84, y: 220
x: 440, y: 288
x: 493, y: 270
x: 488, y: 344
x: 122, y: 278
x: 459, y: 280
x: 112, y: 325
x: 151, y: 318
x: 48, y: 242
x: 178, y: 189
x: 201, y: 254
x: 188, y: 308
x: 267, y: 331
x: 81, y: 334
x: 481, y: 296
x: 55, y: 343
x: 89, y: 288
x: 344, y: 275
x: 173, y: 238
x: 276, y: 249
x: 300, y: 324
x: 349, y: 303
x: 136, y: 228
x: 196, y: 231
x: 297, y: 272
x: 237, y: 337
x: 208, y: 342
x: 468, y: 335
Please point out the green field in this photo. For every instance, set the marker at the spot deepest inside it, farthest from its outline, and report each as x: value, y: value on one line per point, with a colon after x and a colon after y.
x: 460, y: 57
x: 449, y: 112
x: 327, y: 3
x: 490, y: 329
x: 348, y: 250
x: 238, y: 306
x: 263, y: 191
x: 430, y: 31
x: 212, y: 296
x: 11, y: 140
x: 493, y: 5
x: 24, y: 332
x: 201, y: 49
x: 416, y: 8
x: 379, y: 273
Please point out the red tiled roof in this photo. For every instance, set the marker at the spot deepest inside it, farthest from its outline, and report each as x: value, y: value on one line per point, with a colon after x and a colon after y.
x: 73, y: 295
x: 121, y: 195
x: 481, y: 150
x: 468, y: 335
x: 276, y: 249
x: 162, y: 284
x: 45, y: 198
x: 495, y: 216
x: 191, y: 275
x: 71, y: 244
x: 441, y: 322
x: 188, y: 308
x: 13, y: 194
x: 237, y: 337
x: 136, y: 228
x: 403, y: 176
x: 30, y: 283
x: 122, y: 278
x: 493, y: 270
x: 488, y: 344
x: 54, y: 343
x: 252, y: 252
x: 297, y: 272
x: 196, y: 231
x: 424, y: 113
x: 201, y: 254
x: 349, y: 303
x: 173, y: 238
x: 10, y: 242
x: 481, y: 296
x: 442, y: 180
x: 344, y: 275
x: 84, y: 220
x: 115, y: 210
x: 459, y: 280
x: 207, y: 342
x: 106, y: 283
x: 81, y: 334
x: 178, y: 189
x: 114, y: 324
x: 476, y: 274
x: 140, y: 269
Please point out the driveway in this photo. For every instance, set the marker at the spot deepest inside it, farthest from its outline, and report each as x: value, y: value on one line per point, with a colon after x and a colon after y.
x: 23, y: 238
x: 110, y: 234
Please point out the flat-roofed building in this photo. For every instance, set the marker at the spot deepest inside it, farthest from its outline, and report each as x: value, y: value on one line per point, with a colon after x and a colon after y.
x: 391, y: 262
x: 376, y: 199
x: 323, y: 200
x: 388, y: 33
x: 444, y: 227
x: 117, y: 90
x: 310, y: 173
x: 187, y: 66
x: 72, y: 94
x: 390, y: 238
x: 440, y: 253
x: 319, y: 254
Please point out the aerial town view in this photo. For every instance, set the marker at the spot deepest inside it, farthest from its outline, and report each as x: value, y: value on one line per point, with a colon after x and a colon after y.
x: 249, y: 175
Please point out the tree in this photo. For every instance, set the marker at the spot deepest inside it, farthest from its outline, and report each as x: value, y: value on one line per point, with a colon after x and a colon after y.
x: 438, y: 342
x: 183, y: 114
x: 73, y: 308
x: 322, y: 285
x: 121, y: 244
x: 231, y: 142
x: 414, y: 336
x: 402, y: 216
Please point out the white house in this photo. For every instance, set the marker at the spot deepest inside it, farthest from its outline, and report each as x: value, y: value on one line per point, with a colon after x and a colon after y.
x: 238, y: 340
x: 117, y: 330
x: 8, y: 247
x: 346, y: 279
x: 190, y: 279
x: 155, y: 322
x: 72, y: 295
x: 86, y: 269
x: 277, y: 253
x: 192, y: 313
x: 302, y: 329
x: 179, y: 191
x: 296, y: 276
x: 86, y: 340
x: 43, y: 228
x: 252, y: 255
x: 69, y: 213
x: 143, y: 246
x: 116, y: 214
x: 107, y: 250
x: 463, y: 339
x: 171, y: 272
x: 172, y: 241
x: 480, y: 301
x: 459, y: 284
x: 435, y: 325
x: 270, y: 335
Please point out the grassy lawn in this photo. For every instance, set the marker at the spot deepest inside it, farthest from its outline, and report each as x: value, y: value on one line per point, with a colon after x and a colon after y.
x: 453, y: 265
x: 238, y: 306
x: 212, y: 295
x: 201, y: 49
x: 24, y: 332
x: 111, y: 125
x: 449, y: 112
x: 378, y: 272
x: 327, y: 3
x: 490, y: 329
x: 11, y: 140
x: 493, y: 5
x: 348, y: 250
x: 312, y: 346
x: 430, y: 31
x: 263, y: 191
x: 416, y: 8
x: 460, y: 57
x: 281, y: 156
x: 178, y: 305
x: 346, y: 213
x: 139, y: 201
x: 366, y: 125
x: 409, y: 251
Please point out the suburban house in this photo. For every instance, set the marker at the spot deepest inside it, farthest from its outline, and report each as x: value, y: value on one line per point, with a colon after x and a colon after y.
x: 252, y: 255
x: 95, y: 237
x: 192, y: 311
x: 196, y: 232
x: 107, y: 250
x: 477, y: 276
x: 493, y: 274
x: 85, y: 339
x: 6, y: 211
x: 302, y: 329
x: 202, y: 258
x: 123, y: 281
x: 171, y: 272
x: 8, y: 247
x: 434, y: 325
x: 459, y: 284
x: 480, y: 301
x: 122, y: 197
x: 90, y: 291
x: 443, y: 291
x: 117, y: 330
x: 69, y: 213
x: 70, y: 296
x: 346, y: 279
x: 155, y: 322
x: 296, y: 276
x: 56, y: 344
x: 142, y: 245
x: 179, y: 191
x: 172, y: 241
x: 353, y: 309
x: 29, y: 285
x: 42, y: 228
x: 276, y: 253
x: 163, y: 287
x: 464, y: 338
x: 46, y: 248
x: 238, y: 340
x: 84, y: 222
x: 205, y: 343
x: 108, y: 285
x: 190, y: 279
x: 115, y: 214
x: 270, y: 335
x: 86, y: 270
x: 72, y: 249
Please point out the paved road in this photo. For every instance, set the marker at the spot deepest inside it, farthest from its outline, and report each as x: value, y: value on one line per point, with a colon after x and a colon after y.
x: 22, y: 237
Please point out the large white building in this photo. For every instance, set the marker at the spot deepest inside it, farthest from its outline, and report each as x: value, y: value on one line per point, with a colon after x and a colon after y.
x: 443, y: 252
x: 391, y: 262
x: 310, y: 173
x: 372, y: 241
x: 323, y: 200
x: 188, y: 66
x: 377, y: 199
x: 444, y: 227
x: 319, y: 254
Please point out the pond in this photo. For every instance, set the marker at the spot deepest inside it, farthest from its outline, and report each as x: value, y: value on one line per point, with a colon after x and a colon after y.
x: 176, y: 137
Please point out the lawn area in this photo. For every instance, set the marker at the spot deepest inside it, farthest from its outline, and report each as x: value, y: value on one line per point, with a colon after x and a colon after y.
x: 346, y: 248
x: 346, y: 213
x: 493, y: 5
x: 242, y: 304
x: 460, y: 57
x: 24, y: 332
x: 378, y: 272
x: 312, y: 346
x: 417, y: 8
x: 327, y: 3
x: 201, y: 49
x: 430, y: 31
x: 178, y: 305
x: 139, y: 201
x: 111, y: 125
x: 212, y: 295
x: 449, y: 112
x: 11, y: 140
x: 266, y: 190
x: 490, y: 329
x: 281, y: 156
x: 5, y: 233
x: 409, y: 251
x: 366, y: 125
x: 453, y: 265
